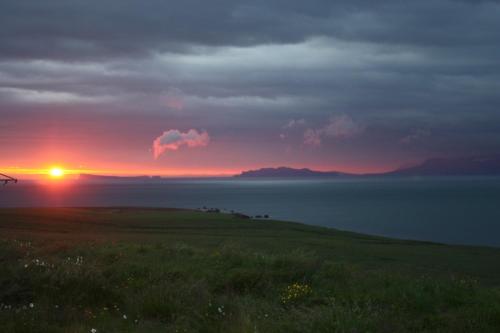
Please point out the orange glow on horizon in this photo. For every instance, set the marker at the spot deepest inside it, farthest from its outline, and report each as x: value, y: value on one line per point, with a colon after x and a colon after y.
x: 58, y: 173
x: 72, y: 173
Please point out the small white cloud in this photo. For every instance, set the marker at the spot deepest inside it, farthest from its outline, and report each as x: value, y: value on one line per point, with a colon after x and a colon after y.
x: 342, y: 127
x: 312, y: 137
x: 173, y: 139
x: 415, y: 135
x: 339, y: 127
x: 294, y: 123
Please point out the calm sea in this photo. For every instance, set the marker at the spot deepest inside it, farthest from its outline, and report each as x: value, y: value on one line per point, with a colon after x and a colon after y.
x: 451, y: 210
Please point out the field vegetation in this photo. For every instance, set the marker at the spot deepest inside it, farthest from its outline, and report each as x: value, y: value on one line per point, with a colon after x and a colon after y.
x: 165, y: 270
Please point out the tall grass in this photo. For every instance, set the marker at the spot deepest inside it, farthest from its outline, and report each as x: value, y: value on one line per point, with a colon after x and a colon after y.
x: 132, y: 286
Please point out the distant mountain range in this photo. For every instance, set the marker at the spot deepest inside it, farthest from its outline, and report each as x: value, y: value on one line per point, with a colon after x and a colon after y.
x: 89, y: 177
x: 465, y: 166
x: 288, y: 172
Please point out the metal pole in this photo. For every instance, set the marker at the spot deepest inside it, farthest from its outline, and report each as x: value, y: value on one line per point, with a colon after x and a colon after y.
x: 6, y: 179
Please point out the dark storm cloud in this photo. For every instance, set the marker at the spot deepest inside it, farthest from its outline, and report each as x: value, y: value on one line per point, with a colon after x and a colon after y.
x: 399, y: 69
x: 89, y: 29
x: 70, y: 30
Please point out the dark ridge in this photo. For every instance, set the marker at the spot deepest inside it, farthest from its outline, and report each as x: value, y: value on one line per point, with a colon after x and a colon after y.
x: 462, y: 166
x: 91, y: 177
x: 289, y: 172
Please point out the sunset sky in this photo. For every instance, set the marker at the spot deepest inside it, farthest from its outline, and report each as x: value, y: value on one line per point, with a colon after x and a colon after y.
x: 216, y: 87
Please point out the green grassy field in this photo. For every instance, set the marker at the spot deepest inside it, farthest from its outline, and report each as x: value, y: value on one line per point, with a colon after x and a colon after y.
x: 152, y: 270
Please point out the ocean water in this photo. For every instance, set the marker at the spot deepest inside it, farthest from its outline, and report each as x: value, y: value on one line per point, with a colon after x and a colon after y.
x: 450, y: 210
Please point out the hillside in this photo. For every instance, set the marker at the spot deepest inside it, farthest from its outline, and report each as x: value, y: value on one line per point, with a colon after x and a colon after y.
x: 167, y: 270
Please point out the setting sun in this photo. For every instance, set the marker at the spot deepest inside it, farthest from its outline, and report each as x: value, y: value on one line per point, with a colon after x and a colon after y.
x: 56, y: 172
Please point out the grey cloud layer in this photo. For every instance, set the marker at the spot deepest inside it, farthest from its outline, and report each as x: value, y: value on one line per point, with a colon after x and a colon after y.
x: 61, y: 29
x: 397, y: 67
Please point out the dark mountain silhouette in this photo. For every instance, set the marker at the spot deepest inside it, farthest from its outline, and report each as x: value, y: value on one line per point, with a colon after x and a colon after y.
x: 463, y: 166
x: 289, y: 172
x: 89, y: 177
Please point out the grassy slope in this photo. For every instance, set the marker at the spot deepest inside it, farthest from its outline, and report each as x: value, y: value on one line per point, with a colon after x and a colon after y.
x: 178, y: 270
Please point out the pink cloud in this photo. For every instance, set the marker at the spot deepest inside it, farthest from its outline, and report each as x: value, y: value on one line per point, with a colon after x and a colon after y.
x: 174, y: 100
x: 173, y: 139
x: 416, y: 135
x: 312, y: 137
x: 342, y: 127
x: 174, y: 103
x: 339, y: 127
x: 294, y: 123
